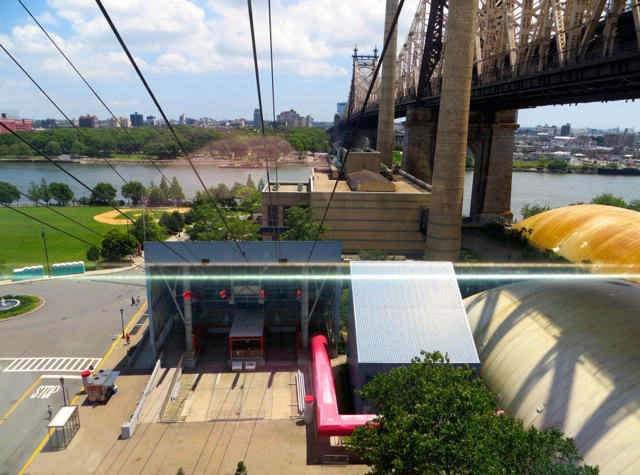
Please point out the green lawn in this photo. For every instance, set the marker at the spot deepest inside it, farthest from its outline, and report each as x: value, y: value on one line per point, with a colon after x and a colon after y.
x: 21, y: 237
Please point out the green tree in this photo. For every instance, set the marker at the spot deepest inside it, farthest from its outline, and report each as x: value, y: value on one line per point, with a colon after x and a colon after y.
x: 168, y: 221
x: 208, y: 226
x: 397, y: 157
x: 261, y: 185
x: 221, y: 192
x: 8, y: 193
x: 117, y: 244
x: 164, y: 186
x: 434, y: 419
x: 156, y: 196
x: 634, y: 205
x: 93, y: 255
x: 78, y: 148
x: 45, y: 193
x: 302, y: 226
x: 250, y: 183
x: 250, y: 199
x: 4, y: 150
x: 132, y: 191
x: 52, y: 148
x: 34, y: 193
x: 609, y: 200
x: 531, y: 210
x: 61, y: 193
x: 175, y: 193
x: 145, y: 228
x: 103, y: 193
x: 612, y: 165
x: 557, y: 164
x: 542, y: 162
x: 469, y: 162
x: 20, y: 150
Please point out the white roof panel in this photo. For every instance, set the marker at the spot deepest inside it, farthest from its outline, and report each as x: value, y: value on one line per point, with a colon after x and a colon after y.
x: 401, y: 308
x: 248, y: 323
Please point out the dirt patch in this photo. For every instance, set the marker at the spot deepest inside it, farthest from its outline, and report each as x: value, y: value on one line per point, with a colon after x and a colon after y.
x: 110, y: 216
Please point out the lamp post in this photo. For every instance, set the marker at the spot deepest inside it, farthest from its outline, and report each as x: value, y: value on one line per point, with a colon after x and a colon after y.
x: 64, y: 397
x: 46, y: 253
x: 122, y: 319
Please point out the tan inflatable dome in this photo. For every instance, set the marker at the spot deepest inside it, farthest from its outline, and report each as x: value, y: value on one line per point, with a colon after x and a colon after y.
x: 565, y: 354
x: 605, y: 238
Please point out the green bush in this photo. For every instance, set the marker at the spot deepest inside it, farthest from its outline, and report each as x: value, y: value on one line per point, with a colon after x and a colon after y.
x: 27, y: 303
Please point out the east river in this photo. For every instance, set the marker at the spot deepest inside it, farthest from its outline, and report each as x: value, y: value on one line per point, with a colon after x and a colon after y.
x: 535, y: 188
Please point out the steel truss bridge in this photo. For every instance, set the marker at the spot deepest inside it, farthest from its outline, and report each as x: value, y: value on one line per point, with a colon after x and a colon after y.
x: 528, y: 53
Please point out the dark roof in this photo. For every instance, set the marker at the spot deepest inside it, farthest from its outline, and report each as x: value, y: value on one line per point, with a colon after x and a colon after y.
x: 366, y: 176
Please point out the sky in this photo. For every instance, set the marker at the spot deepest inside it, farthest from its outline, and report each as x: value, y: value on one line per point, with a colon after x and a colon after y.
x: 196, y: 55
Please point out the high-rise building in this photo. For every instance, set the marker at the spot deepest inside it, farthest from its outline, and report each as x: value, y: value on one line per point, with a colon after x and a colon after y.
x: 124, y: 122
x: 137, y: 120
x: 15, y: 125
x: 341, y: 108
x: 257, y: 119
x: 151, y: 120
x: 88, y: 122
x: 49, y: 124
x: 183, y: 119
x: 565, y: 130
x: 112, y: 122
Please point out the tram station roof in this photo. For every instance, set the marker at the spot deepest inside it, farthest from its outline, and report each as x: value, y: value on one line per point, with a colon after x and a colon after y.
x: 401, y: 308
x: 248, y: 323
x: 563, y: 353
x: 227, y: 252
x: 606, y: 239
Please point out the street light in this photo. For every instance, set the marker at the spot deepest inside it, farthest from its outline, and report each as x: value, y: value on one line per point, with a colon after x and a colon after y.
x: 122, y: 318
x: 64, y: 398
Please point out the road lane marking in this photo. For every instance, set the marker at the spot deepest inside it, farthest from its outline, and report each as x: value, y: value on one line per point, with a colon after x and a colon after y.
x: 21, y: 399
x: 44, y: 441
x: 57, y: 364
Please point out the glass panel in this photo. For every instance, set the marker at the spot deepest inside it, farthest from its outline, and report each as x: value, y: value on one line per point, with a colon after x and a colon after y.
x: 274, y: 317
x: 289, y: 317
x: 213, y: 317
x: 227, y: 318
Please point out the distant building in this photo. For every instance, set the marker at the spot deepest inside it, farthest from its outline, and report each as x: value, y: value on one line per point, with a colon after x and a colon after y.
x: 112, y: 122
x: 191, y: 121
x: 124, y: 122
x: 565, y: 130
x: 49, y: 124
x: 151, y: 120
x: 15, y: 125
x: 120, y: 122
x: 257, y: 119
x: 619, y: 140
x: 341, y: 108
x: 183, y: 119
x: 137, y: 120
x: 88, y: 122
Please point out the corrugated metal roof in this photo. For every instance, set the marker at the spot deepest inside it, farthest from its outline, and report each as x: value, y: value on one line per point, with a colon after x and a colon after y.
x: 248, y: 322
x: 401, y: 308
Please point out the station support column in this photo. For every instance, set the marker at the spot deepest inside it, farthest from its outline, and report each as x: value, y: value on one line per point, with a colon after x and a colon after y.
x: 188, y: 316
x: 304, y: 312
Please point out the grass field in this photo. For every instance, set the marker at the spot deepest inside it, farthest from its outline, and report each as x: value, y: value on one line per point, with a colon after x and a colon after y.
x: 21, y: 242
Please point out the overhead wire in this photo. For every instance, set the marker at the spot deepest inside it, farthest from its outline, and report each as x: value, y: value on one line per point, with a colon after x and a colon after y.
x: 264, y: 138
x: 153, y: 97
x: 364, y: 106
x: 88, y: 85
x: 81, y: 183
x: 273, y: 96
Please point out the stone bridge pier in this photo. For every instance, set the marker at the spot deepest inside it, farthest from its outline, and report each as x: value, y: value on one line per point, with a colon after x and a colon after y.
x: 367, y: 137
x: 491, y: 137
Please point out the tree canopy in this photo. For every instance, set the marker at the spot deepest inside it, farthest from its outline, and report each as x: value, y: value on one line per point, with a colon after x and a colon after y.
x: 302, y: 226
x: 208, y: 226
x: 8, y: 193
x: 103, y: 193
x: 435, y: 419
x: 117, y: 244
x: 61, y: 193
x: 308, y: 138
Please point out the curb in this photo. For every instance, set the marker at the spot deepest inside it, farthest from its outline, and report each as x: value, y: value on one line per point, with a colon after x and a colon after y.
x: 89, y: 274
x: 40, y: 305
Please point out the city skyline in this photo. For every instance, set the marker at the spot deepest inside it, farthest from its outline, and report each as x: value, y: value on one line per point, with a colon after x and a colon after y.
x: 196, y: 56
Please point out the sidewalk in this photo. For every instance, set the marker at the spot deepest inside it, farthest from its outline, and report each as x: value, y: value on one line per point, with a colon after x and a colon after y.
x: 266, y: 446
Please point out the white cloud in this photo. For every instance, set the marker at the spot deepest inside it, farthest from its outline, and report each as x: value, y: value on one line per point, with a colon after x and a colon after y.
x: 320, y: 69
x: 47, y: 18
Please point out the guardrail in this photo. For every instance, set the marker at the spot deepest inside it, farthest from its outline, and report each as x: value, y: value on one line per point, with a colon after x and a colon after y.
x: 246, y: 354
x: 128, y: 428
x: 174, y: 380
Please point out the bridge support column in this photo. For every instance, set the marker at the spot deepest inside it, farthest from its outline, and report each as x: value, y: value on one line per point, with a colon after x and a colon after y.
x: 492, y: 138
x: 388, y: 89
x: 418, y: 150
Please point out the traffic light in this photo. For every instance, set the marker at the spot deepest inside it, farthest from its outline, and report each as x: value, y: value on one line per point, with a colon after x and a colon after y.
x: 263, y: 294
x: 224, y: 294
x: 298, y: 294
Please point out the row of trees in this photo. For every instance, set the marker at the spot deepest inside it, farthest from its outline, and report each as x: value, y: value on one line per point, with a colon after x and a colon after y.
x: 607, y: 199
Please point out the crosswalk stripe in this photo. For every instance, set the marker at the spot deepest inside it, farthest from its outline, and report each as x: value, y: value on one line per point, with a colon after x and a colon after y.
x: 61, y: 364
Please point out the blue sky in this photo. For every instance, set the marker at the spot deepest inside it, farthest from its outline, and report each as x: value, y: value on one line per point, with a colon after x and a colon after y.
x: 196, y: 55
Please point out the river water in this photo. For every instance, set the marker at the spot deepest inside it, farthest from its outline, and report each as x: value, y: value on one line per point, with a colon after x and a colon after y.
x: 535, y: 188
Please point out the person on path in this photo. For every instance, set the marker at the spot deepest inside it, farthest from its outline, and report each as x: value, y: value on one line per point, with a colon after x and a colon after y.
x: 133, y: 300
x: 138, y: 300
x: 128, y: 337
x: 49, y: 411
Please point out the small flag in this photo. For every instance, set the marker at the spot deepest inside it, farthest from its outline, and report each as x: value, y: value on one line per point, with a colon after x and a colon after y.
x: 146, y: 203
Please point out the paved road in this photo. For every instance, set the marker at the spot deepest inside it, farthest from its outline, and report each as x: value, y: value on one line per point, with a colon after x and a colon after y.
x: 76, y: 327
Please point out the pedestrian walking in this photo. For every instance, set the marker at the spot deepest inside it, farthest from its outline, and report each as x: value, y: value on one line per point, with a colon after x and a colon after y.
x: 133, y: 300
x: 138, y: 300
x: 128, y: 337
x: 49, y: 411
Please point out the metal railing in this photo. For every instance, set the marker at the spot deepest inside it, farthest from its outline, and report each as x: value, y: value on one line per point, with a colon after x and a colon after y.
x: 246, y: 354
